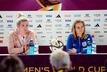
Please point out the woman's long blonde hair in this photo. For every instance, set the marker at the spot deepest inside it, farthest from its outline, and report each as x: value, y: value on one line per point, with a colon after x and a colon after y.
x: 74, y: 30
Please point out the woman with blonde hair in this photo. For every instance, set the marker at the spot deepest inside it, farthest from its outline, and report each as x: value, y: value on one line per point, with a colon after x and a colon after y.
x: 78, y: 40
x: 20, y: 38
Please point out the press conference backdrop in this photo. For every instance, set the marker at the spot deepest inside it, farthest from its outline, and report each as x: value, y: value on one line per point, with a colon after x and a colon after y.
x: 56, y: 24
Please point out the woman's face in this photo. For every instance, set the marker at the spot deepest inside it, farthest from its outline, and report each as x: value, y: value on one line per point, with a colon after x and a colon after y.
x: 79, y: 28
x: 23, y: 26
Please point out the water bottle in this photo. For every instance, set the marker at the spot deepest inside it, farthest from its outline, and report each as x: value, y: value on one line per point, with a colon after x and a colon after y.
x: 36, y: 48
x: 31, y: 47
x: 89, y: 47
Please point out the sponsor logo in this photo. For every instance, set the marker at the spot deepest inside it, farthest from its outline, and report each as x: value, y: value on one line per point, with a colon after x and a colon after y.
x: 59, y: 28
x: 48, y: 16
x: 9, y: 21
x: 43, y: 36
x: 1, y: 21
x: 87, y: 25
x: 67, y: 15
x: 84, y: 44
x: 1, y: 26
x: 9, y: 16
x: 67, y: 25
x: 105, y: 31
x: 104, y: 28
x: 59, y: 36
x: 58, y: 20
x: 97, y: 25
x: 58, y: 25
x: 29, y: 16
x: 58, y: 16
x: 97, y: 15
x: 49, y: 32
x: 39, y: 32
x: 96, y: 31
x: 39, y: 26
x: 48, y: 20
x: 67, y: 32
x: 1, y: 29
x: 96, y: 20
x: 38, y: 21
x: 68, y: 20
x: 0, y: 16
x: 9, y: 25
x: 101, y: 36
x: 105, y: 20
x: 105, y: 24
x: 1, y: 33
x: 59, y: 32
x: 105, y: 14
x: 87, y: 15
x: 87, y: 20
x: 48, y: 25
x: 77, y: 15
x: 48, y: 29
x: 30, y: 25
x: 39, y: 16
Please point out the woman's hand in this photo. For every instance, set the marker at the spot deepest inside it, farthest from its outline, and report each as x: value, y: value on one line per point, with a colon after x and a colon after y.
x: 72, y: 51
x: 25, y: 48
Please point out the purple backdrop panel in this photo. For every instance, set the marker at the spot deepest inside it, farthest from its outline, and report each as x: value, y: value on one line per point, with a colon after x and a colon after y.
x: 25, y: 5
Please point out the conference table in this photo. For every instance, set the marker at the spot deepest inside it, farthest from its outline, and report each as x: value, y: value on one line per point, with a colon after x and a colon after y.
x: 81, y: 62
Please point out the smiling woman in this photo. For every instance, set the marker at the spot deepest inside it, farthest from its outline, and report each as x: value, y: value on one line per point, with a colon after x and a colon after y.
x: 79, y: 41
